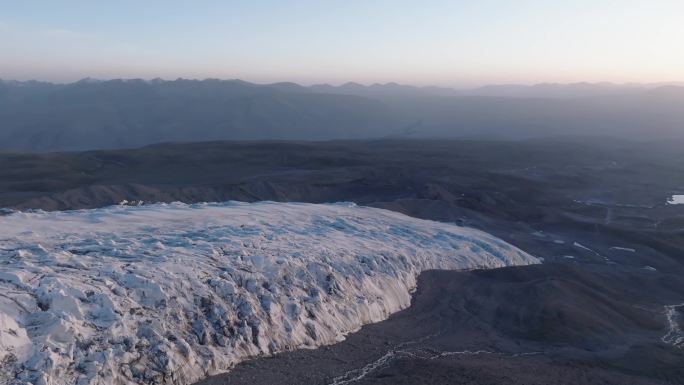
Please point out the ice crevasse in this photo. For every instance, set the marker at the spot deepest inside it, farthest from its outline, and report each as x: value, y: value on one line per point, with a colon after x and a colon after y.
x: 171, y: 293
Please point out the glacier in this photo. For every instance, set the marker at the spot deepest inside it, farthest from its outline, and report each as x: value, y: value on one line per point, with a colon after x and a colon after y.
x: 172, y: 293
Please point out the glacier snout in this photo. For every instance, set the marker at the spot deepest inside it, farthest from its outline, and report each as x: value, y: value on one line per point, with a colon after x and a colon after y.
x: 174, y: 292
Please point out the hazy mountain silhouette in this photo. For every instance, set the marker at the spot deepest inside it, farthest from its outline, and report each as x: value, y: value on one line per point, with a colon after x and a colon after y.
x: 92, y: 114
x: 388, y: 90
x: 117, y: 114
x: 562, y: 91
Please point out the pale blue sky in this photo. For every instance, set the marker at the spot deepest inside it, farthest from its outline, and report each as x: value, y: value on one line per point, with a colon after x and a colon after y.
x: 455, y: 43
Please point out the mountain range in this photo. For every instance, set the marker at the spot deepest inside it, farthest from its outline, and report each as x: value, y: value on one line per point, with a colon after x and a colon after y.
x: 94, y: 114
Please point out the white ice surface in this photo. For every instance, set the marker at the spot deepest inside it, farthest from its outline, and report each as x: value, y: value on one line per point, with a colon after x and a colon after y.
x: 173, y: 292
x: 675, y: 335
x: 676, y: 200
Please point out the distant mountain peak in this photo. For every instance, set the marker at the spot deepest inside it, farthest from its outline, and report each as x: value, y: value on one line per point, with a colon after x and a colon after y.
x: 89, y: 80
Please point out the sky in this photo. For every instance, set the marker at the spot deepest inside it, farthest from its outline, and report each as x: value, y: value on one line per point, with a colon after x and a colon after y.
x: 429, y: 42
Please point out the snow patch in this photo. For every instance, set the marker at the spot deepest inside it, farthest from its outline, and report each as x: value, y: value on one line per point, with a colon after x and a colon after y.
x: 173, y: 292
x: 676, y: 200
x: 627, y: 249
x: 581, y: 246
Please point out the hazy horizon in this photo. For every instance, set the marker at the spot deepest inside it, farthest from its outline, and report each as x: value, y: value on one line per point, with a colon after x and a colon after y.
x: 442, y: 43
x: 364, y: 84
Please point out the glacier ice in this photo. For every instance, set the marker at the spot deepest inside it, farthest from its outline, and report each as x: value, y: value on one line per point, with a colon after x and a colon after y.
x: 171, y: 293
